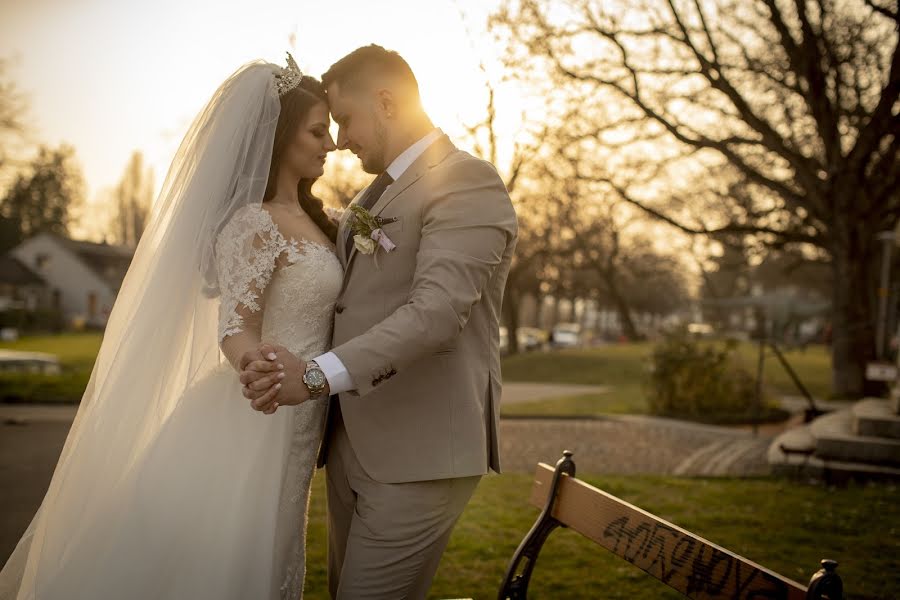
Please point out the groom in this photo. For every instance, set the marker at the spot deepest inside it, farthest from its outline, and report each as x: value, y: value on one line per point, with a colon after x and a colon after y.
x: 415, y: 365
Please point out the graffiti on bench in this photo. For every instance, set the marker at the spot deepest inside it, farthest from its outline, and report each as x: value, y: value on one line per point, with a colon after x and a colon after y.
x: 688, y: 563
x: 666, y: 552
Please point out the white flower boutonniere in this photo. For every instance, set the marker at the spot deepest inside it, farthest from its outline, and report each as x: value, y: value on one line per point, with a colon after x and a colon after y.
x: 367, y: 232
x: 364, y: 244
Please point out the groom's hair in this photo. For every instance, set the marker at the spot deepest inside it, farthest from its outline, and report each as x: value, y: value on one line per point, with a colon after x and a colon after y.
x: 362, y: 68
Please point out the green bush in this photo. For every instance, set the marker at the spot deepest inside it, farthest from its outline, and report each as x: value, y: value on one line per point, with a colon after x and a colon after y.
x: 67, y: 387
x: 76, y: 353
x: 32, y: 320
x: 701, y: 381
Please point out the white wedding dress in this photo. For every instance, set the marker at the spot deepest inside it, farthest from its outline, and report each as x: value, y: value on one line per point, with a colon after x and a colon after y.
x: 170, y: 486
x: 215, y: 507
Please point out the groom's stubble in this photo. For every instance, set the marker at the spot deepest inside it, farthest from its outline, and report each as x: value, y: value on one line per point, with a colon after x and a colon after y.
x: 377, y: 161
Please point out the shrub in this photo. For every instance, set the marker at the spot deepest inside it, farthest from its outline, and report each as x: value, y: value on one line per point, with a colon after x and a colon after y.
x: 45, y: 320
x: 67, y: 387
x: 701, y: 381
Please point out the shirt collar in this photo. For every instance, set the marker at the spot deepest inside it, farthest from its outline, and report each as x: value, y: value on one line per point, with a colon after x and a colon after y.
x: 409, y: 156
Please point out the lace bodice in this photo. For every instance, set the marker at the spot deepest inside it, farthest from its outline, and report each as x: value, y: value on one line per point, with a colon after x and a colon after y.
x: 290, y: 301
x: 300, y: 301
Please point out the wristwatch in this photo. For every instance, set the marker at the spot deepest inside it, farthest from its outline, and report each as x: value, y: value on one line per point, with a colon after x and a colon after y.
x: 314, y: 379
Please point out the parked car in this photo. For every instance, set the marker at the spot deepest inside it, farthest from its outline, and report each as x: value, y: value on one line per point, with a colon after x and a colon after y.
x: 701, y: 330
x: 528, y: 338
x: 12, y: 361
x: 531, y: 338
x: 565, y: 335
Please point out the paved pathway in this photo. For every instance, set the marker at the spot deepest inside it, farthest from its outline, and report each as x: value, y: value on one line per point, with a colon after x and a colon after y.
x: 800, y: 403
x: 514, y: 393
x: 28, y: 455
x: 12, y: 414
x: 629, y: 445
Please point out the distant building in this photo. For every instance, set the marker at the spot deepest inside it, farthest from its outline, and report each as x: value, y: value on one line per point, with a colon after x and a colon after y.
x: 83, y: 277
x: 22, y: 288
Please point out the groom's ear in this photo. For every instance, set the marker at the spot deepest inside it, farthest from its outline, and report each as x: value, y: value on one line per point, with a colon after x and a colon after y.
x: 386, y: 102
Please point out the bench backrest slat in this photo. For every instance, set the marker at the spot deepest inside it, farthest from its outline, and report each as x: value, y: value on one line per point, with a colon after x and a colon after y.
x: 692, y: 565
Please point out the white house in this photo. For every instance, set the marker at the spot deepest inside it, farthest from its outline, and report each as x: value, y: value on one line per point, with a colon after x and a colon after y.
x: 85, y: 277
x: 21, y: 287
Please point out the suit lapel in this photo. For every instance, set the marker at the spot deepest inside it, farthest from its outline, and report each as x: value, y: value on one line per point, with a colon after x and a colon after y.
x: 344, y: 228
x: 433, y: 155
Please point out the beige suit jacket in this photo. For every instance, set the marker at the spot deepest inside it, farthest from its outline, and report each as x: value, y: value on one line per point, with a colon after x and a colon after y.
x: 418, y: 328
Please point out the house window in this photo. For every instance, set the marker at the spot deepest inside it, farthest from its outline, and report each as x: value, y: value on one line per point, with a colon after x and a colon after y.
x: 92, y: 305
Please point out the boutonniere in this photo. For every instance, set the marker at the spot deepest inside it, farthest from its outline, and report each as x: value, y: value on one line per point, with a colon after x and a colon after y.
x: 367, y: 231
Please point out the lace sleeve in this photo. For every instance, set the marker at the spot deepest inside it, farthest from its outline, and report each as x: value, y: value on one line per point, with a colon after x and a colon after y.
x: 247, y: 250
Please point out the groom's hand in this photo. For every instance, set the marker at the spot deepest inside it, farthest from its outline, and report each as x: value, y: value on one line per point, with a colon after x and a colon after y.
x: 287, y: 382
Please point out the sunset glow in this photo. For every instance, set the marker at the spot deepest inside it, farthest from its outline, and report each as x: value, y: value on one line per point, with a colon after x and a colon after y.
x: 111, y: 77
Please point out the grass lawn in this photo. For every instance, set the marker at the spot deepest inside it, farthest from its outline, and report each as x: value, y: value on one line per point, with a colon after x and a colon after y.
x: 782, y: 525
x: 813, y: 367
x: 622, y: 366
x: 625, y: 368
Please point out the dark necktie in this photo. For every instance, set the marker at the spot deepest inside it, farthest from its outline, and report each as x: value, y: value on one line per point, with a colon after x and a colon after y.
x: 376, y: 189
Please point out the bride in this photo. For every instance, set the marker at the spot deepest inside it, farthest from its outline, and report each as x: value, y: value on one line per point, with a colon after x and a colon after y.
x: 169, y: 484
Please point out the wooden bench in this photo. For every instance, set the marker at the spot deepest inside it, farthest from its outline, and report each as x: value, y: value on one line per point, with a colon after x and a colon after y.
x: 686, y: 562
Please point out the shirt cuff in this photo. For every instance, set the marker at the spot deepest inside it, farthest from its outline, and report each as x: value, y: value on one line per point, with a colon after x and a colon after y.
x: 339, y: 379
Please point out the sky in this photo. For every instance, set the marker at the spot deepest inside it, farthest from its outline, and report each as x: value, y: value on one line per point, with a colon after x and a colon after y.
x: 113, y: 76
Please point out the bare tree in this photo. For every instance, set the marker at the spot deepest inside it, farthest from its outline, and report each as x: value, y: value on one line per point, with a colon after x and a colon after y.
x: 13, y: 109
x: 536, y: 268
x: 775, y: 120
x: 533, y: 207
x: 607, y: 253
x: 133, y: 199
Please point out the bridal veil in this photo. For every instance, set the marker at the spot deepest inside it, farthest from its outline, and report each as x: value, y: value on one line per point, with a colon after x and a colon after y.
x: 162, y: 334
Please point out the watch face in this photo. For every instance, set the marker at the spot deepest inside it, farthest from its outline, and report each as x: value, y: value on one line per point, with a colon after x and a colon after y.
x: 315, y: 378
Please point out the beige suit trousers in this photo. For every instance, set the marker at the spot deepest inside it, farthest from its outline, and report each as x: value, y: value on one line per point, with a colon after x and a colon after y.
x: 385, y: 540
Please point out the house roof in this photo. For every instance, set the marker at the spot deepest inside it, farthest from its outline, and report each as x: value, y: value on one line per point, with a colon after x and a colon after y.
x: 14, y: 272
x: 109, y: 262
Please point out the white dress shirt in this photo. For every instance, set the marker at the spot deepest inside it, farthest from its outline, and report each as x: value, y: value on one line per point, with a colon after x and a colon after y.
x: 339, y: 379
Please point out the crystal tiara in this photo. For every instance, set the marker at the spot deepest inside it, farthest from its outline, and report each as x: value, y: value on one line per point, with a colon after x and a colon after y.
x: 290, y: 76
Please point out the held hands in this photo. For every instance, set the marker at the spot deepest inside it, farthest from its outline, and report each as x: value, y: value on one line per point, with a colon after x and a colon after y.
x: 273, y: 377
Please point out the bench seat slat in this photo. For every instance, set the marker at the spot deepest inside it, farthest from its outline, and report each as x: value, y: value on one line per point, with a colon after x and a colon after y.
x: 686, y: 562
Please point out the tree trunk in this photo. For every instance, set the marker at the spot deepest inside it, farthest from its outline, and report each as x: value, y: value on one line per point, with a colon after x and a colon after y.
x: 553, y: 312
x: 853, y: 323
x: 621, y: 305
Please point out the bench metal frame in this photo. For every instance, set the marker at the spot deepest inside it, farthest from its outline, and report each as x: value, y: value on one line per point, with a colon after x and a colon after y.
x: 686, y: 562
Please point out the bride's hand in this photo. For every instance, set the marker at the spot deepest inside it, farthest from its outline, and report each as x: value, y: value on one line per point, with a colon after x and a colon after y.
x: 261, y: 360
x: 260, y: 375
x: 291, y: 389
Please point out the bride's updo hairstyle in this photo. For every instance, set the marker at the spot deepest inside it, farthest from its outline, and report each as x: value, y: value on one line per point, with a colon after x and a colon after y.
x: 295, y: 105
